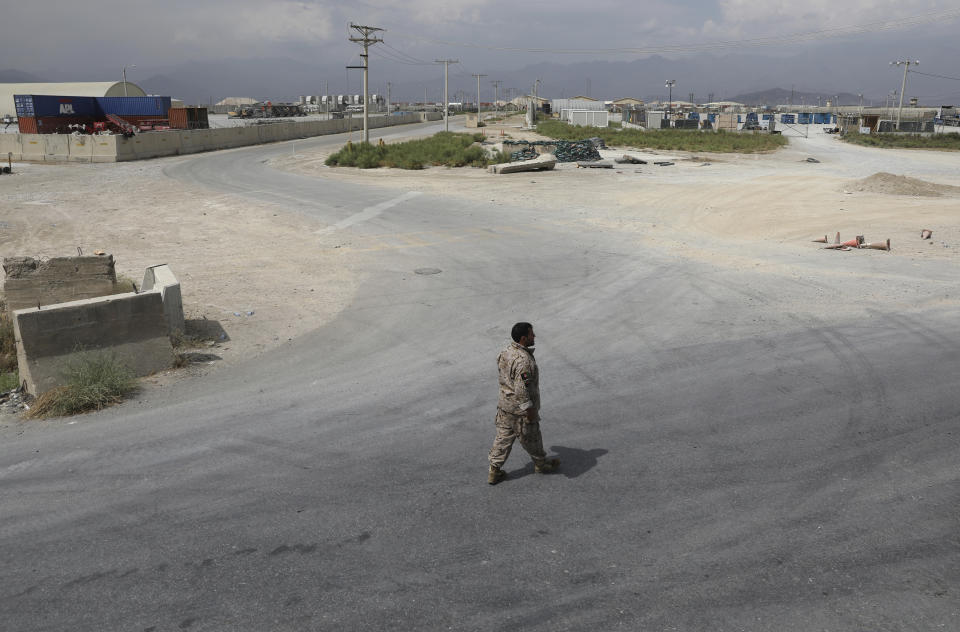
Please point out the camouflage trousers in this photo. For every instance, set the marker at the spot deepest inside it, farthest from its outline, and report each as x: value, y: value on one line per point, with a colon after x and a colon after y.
x: 509, y: 429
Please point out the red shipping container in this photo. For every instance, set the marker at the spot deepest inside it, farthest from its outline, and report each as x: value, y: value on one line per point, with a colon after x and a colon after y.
x: 178, y: 118
x: 28, y: 125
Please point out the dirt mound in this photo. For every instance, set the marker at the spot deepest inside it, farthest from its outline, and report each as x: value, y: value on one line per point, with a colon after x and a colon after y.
x: 891, y: 184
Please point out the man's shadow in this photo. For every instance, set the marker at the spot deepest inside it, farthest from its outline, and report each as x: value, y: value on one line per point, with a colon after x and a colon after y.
x: 573, y: 461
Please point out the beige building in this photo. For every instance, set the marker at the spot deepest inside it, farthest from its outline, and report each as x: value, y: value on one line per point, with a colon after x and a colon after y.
x: 85, y: 89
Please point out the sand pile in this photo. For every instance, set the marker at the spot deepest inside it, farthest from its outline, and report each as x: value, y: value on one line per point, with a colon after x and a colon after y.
x: 891, y: 184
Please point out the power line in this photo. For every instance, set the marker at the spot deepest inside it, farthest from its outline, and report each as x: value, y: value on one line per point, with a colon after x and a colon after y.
x: 869, y: 27
x: 927, y: 74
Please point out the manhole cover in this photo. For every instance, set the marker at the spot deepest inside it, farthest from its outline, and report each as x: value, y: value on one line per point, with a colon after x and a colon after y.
x: 427, y: 270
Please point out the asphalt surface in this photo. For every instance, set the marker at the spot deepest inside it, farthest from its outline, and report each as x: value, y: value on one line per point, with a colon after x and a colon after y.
x: 736, y: 454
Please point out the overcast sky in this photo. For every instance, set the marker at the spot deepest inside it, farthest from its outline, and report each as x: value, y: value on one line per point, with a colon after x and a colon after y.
x: 52, y: 37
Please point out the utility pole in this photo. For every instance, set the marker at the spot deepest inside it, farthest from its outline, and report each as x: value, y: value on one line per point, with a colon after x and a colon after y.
x: 388, y: 98
x: 446, y: 101
x: 478, y: 95
x: 365, y: 38
x: 670, y: 84
x: 906, y: 63
x: 496, y: 97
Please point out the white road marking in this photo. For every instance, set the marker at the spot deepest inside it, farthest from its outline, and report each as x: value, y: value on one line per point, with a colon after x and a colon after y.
x: 368, y: 213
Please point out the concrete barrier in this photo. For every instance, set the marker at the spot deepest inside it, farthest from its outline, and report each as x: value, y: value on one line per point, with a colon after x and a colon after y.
x: 81, y: 148
x: 30, y: 282
x: 33, y: 147
x: 10, y: 144
x: 114, y: 148
x: 104, y: 148
x: 131, y: 326
x: 56, y: 147
x: 160, y: 279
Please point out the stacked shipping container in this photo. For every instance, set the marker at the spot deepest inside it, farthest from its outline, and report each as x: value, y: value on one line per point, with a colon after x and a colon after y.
x: 50, y: 114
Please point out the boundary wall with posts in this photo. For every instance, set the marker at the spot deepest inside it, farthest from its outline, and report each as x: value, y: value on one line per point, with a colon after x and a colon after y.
x: 113, y: 148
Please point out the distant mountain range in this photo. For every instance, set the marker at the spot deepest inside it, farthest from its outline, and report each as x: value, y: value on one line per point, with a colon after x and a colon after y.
x: 780, y: 96
x: 16, y: 76
x: 811, y: 76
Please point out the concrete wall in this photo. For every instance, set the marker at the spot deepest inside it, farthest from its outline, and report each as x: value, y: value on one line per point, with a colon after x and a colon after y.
x: 112, y: 148
x: 30, y: 282
x: 160, y: 279
x: 131, y: 326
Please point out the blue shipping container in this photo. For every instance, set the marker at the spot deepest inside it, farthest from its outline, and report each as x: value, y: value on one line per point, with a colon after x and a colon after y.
x: 805, y: 118
x: 786, y: 118
x: 135, y: 106
x: 49, y: 105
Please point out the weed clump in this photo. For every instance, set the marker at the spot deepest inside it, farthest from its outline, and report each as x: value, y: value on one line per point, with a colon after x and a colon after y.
x: 442, y: 149
x: 94, y: 381
x: 9, y: 378
x: 905, y: 141
x: 666, y: 139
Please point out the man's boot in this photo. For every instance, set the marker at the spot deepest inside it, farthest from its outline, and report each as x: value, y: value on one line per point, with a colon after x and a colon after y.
x: 495, y: 475
x: 546, y: 466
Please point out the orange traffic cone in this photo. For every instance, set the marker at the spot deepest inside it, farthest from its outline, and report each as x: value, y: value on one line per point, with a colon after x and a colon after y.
x: 820, y: 241
x: 878, y: 245
x: 835, y: 247
x: 926, y: 234
x: 855, y: 242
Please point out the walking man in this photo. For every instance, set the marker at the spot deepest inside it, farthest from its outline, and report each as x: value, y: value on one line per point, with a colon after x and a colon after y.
x: 518, y: 409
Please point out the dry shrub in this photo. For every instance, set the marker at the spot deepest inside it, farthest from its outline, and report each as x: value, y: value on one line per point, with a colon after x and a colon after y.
x: 94, y: 380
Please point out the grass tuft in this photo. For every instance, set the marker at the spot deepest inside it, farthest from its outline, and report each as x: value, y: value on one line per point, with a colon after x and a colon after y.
x: 8, y: 345
x: 666, y: 139
x: 444, y: 148
x: 905, y: 141
x: 94, y: 380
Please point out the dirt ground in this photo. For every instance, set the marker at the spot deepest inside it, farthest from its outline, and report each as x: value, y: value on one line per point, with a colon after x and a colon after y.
x: 254, y: 269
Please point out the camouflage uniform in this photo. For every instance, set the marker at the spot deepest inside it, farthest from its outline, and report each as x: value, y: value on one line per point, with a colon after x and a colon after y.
x: 519, y: 392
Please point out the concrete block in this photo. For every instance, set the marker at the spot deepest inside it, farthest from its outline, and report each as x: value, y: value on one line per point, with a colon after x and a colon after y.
x: 104, y: 148
x: 30, y: 282
x: 160, y: 279
x: 81, y: 148
x: 10, y: 144
x: 33, y: 147
x: 56, y: 147
x: 540, y: 163
x: 130, y: 326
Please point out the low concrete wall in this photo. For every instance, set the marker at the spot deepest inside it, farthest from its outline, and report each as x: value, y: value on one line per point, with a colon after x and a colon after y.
x: 160, y: 279
x: 113, y: 148
x: 30, y: 282
x: 131, y: 326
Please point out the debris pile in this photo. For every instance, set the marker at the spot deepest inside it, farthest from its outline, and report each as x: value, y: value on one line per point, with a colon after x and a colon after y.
x: 576, y: 151
x: 890, y: 184
x: 527, y: 153
x: 566, y: 150
x: 857, y: 243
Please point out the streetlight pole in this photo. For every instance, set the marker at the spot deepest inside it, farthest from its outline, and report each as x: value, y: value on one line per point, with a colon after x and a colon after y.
x: 446, y: 101
x: 906, y: 63
x: 670, y: 83
x: 478, y: 96
x: 125, y: 77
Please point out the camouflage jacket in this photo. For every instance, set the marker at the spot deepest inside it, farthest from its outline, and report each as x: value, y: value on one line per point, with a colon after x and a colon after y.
x: 519, y: 380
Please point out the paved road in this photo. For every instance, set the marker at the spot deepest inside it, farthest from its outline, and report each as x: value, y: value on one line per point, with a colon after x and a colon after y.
x: 735, y: 457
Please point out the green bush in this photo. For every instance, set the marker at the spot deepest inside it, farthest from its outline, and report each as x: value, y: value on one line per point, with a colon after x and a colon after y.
x: 9, y: 381
x: 94, y: 380
x: 444, y: 148
x: 666, y: 139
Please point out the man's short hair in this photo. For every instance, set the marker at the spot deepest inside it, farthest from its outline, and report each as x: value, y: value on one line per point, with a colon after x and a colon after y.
x: 520, y: 330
